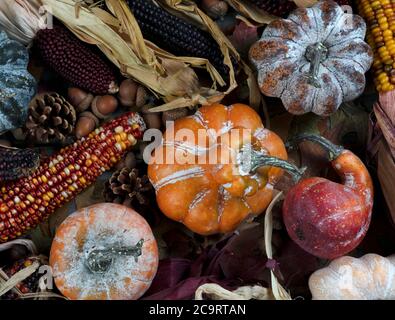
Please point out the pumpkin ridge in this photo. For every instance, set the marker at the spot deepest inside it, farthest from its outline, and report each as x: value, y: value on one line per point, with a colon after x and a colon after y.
x: 301, y: 27
x: 180, y: 175
x: 335, y: 23
x: 280, y: 38
x: 334, y: 76
x: 348, y: 58
x: 347, y: 94
x: 316, y: 26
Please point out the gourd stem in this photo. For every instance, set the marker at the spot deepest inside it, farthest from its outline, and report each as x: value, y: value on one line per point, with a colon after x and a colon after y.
x: 316, y: 54
x: 333, y: 149
x: 100, y: 260
x: 262, y: 160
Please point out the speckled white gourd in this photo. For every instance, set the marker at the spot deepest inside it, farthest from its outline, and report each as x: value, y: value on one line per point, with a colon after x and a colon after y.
x: 281, y: 60
x: 371, y: 277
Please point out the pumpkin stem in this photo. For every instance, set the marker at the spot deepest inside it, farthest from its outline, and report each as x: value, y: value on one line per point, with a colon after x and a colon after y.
x: 315, y: 54
x: 250, y: 160
x: 333, y: 149
x: 100, y: 260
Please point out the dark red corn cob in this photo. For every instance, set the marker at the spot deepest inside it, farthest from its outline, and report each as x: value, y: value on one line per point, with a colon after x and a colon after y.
x: 17, y: 163
x: 282, y: 8
x: 75, y: 61
x: 279, y: 8
x: 28, y: 201
x: 177, y: 36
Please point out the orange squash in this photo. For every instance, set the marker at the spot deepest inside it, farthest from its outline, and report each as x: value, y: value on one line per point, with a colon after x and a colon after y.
x: 104, y: 252
x: 214, y: 196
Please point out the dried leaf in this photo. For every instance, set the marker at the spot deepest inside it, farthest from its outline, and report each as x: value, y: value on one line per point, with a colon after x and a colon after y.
x: 305, y: 3
x: 244, y: 36
x: 250, y: 11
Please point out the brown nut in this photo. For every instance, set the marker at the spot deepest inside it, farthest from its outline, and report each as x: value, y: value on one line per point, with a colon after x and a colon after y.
x: 103, y: 106
x: 172, y: 115
x: 141, y: 97
x: 215, y: 8
x: 80, y: 99
x: 152, y: 119
x: 86, y: 123
x: 127, y: 93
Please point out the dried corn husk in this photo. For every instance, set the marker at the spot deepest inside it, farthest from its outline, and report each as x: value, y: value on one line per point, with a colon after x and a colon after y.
x: 21, y: 19
x: 216, y: 292
x: 386, y: 175
x: 7, y: 283
x: 166, y: 75
x: 384, y: 111
x: 279, y: 292
x: 246, y: 9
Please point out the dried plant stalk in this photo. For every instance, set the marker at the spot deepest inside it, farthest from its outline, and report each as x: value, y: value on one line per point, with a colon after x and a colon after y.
x: 278, y: 291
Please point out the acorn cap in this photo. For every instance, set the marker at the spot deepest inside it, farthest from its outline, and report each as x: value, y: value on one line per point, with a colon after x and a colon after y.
x: 80, y: 99
x: 87, y: 122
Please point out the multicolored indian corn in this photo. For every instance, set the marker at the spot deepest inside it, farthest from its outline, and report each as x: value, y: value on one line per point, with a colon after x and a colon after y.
x: 380, y: 17
x: 28, y: 201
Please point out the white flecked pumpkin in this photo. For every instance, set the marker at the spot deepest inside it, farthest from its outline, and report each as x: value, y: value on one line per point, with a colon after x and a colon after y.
x: 314, y: 60
x: 371, y: 277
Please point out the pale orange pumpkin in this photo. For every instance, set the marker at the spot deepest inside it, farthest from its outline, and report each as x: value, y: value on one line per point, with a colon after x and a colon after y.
x: 104, y: 228
x: 214, y: 196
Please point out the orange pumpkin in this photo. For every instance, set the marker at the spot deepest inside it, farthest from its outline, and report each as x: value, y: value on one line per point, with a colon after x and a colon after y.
x: 104, y: 252
x: 197, y: 176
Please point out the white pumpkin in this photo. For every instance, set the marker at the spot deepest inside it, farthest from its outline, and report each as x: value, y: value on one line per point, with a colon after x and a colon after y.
x: 371, y: 277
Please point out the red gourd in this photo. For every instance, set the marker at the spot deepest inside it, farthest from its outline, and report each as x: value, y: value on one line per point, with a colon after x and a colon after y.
x: 329, y: 219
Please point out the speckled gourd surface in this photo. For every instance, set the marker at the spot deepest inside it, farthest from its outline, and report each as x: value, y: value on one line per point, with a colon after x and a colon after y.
x: 17, y: 85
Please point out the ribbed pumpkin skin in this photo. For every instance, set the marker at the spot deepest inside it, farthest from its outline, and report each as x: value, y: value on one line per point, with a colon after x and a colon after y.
x: 213, y: 197
x: 281, y: 58
x: 17, y: 85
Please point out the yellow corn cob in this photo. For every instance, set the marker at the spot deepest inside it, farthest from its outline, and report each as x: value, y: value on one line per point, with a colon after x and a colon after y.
x: 28, y: 201
x: 380, y: 18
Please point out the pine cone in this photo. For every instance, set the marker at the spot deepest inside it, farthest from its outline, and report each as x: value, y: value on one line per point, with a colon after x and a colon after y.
x: 127, y: 187
x: 51, y: 118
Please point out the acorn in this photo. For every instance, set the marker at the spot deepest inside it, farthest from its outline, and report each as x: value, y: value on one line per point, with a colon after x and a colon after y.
x: 80, y: 99
x: 141, y: 97
x: 87, y: 122
x: 152, y: 119
x: 127, y: 93
x: 215, y: 8
x: 103, y: 106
